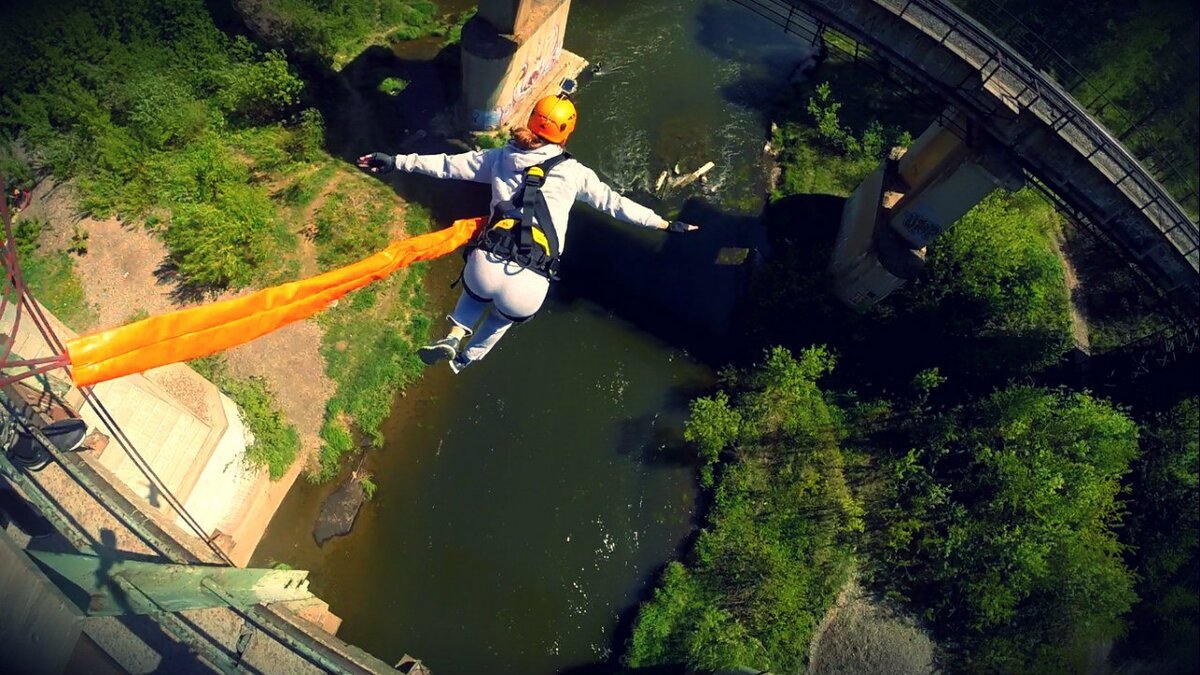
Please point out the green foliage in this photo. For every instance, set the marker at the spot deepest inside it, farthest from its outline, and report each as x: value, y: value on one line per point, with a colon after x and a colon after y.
x: 368, y: 487
x: 999, y: 521
x: 1143, y: 56
x: 369, y: 346
x: 453, y: 28
x: 1164, y: 530
x: 153, y: 108
x: 392, y: 85
x: 51, y: 276
x: 996, y: 275
x: 16, y: 171
x: 336, y: 443
x: 820, y: 154
x: 775, y: 549
x: 712, y: 425
x: 487, y: 141
x: 257, y: 89
x: 274, y: 443
x: 353, y: 224
x: 223, y: 242
x: 306, y: 143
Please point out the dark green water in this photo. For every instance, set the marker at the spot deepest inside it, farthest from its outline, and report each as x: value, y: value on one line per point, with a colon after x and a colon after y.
x: 524, y: 506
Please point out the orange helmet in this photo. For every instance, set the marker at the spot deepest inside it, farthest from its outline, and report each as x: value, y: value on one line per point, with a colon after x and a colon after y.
x: 553, y: 118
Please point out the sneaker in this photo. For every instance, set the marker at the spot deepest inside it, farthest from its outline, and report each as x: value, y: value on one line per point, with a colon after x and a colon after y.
x: 446, y: 348
x: 458, y: 363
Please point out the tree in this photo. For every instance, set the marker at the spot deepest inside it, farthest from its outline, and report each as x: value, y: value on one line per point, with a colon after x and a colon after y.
x: 999, y: 522
x: 1164, y: 531
x: 996, y: 279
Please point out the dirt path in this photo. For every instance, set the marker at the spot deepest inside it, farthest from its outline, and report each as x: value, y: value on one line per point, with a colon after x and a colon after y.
x: 118, y: 275
x: 860, y: 636
x: 1079, y: 324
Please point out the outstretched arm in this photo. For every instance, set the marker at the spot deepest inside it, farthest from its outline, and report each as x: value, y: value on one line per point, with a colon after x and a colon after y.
x: 475, y: 166
x: 597, y: 194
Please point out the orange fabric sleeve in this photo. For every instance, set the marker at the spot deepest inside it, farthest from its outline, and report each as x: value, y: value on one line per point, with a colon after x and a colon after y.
x: 200, y: 331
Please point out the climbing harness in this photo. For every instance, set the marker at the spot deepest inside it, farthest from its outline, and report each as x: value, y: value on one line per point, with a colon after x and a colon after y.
x: 521, y: 230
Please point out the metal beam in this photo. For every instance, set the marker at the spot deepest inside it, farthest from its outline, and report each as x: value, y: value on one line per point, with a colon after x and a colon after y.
x: 170, y: 587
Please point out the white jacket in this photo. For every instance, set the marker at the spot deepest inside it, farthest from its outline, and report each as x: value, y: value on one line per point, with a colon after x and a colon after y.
x: 566, y: 183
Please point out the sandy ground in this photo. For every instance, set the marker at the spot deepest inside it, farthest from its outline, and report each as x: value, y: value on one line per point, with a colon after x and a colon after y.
x: 861, y: 636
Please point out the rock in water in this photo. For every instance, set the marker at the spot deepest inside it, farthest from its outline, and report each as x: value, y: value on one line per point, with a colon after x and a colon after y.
x: 339, y: 511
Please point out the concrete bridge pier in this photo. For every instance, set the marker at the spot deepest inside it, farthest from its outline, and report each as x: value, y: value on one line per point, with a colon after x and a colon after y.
x: 512, y: 54
x: 917, y: 194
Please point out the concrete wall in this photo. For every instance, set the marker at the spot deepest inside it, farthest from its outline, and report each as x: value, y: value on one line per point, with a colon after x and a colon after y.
x: 502, y: 69
x: 187, y: 431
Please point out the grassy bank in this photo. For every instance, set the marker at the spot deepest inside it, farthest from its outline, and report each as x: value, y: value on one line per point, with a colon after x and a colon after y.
x: 208, y: 141
x: 50, y: 275
x: 275, y: 444
x: 371, y: 336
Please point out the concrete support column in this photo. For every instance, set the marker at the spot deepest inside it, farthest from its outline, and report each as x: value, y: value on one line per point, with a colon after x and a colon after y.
x: 917, y: 194
x: 511, y: 54
x: 505, y: 15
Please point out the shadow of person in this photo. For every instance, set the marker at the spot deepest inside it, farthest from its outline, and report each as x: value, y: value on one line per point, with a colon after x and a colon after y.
x: 106, y: 551
x: 676, y: 286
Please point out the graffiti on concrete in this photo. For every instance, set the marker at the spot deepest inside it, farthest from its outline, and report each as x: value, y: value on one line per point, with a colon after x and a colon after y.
x: 540, y: 58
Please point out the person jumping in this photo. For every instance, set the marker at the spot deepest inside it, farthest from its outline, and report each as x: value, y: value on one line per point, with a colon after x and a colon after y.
x: 510, y: 265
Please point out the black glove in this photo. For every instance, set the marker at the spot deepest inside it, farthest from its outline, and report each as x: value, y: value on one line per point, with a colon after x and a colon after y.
x: 680, y: 226
x: 378, y: 162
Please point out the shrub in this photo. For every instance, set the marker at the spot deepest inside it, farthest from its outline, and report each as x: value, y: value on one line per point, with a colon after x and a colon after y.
x: 775, y: 548
x: 223, y: 243
x: 392, y: 85
x: 998, y: 521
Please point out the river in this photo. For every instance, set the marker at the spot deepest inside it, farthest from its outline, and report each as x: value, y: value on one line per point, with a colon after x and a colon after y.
x: 524, y: 506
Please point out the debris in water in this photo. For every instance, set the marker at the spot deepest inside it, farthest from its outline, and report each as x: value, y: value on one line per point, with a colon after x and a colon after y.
x: 692, y: 177
x: 662, y: 178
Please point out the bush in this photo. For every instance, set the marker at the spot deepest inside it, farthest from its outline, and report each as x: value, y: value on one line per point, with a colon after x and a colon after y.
x: 392, y: 85
x: 775, y: 549
x: 306, y: 143
x: 818, y: 153
x: 337, y: 31
x: 1164, y: 532
x: 223, y: 243
x: 998, y: 521
x: 997, y: 276
x: 274, y: 444
x: 258, y: 89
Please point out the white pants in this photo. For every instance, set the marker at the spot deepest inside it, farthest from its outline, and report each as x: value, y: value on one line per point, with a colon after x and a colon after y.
x: 512, y: 293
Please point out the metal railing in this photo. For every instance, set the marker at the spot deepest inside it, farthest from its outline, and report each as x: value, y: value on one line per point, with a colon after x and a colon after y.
x: 1133, y: 131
